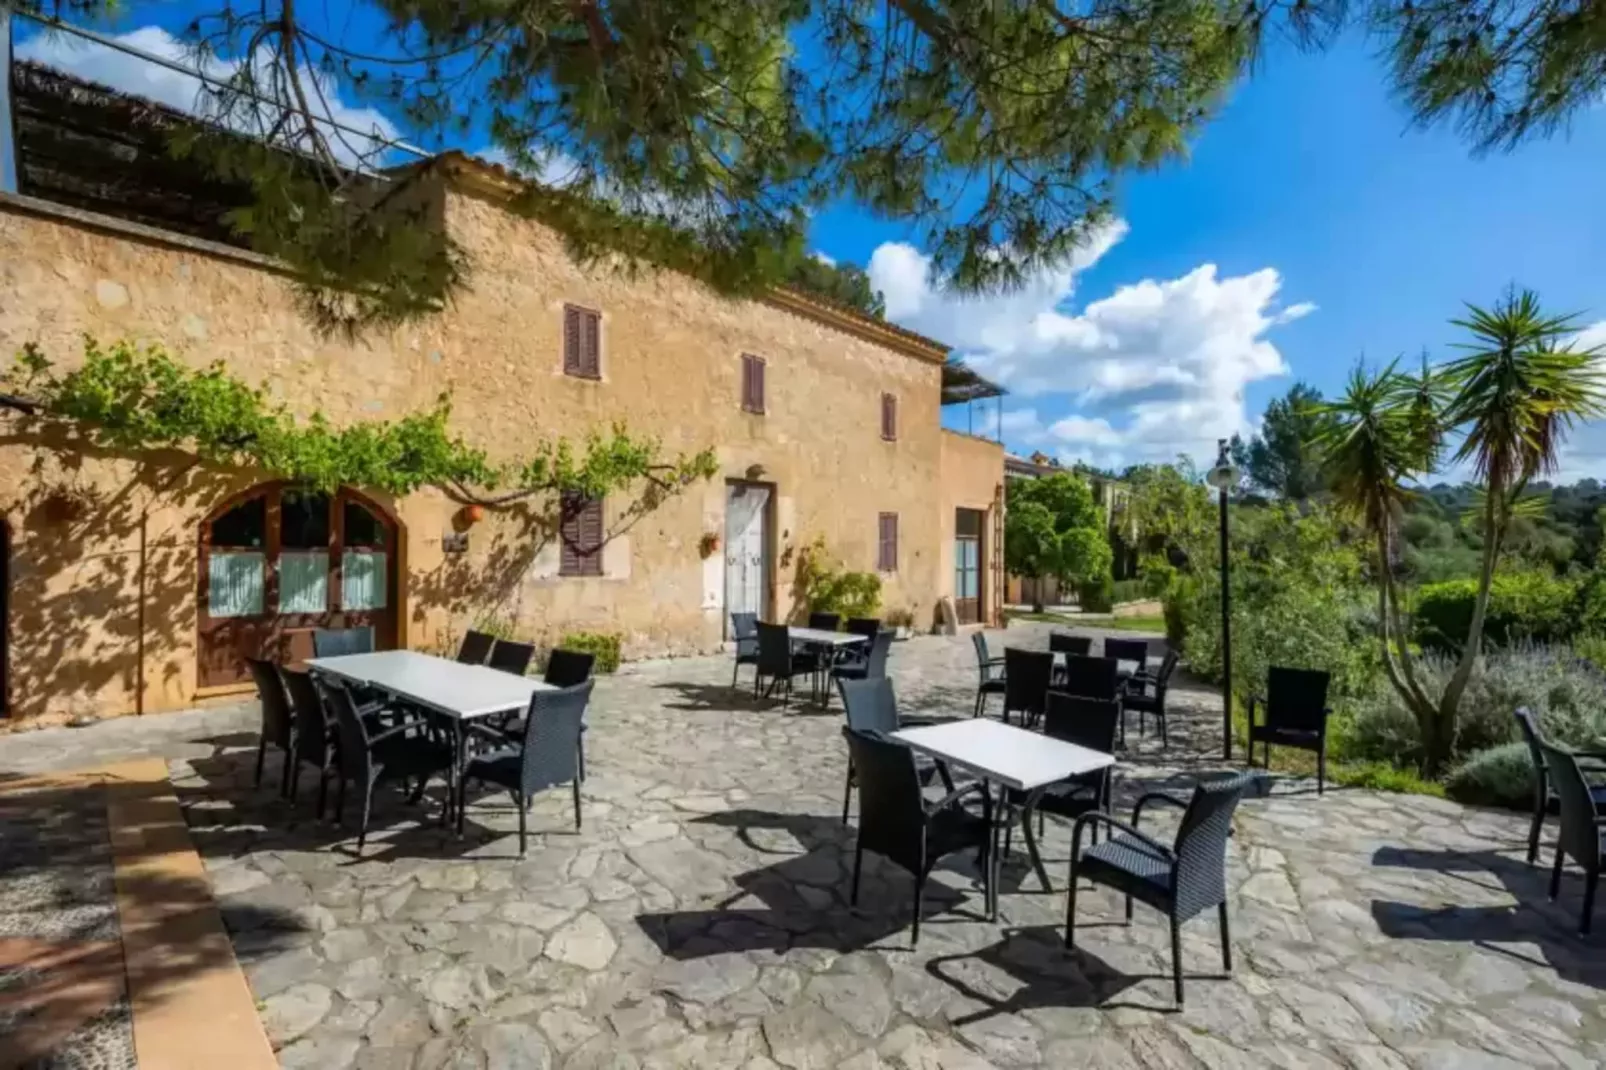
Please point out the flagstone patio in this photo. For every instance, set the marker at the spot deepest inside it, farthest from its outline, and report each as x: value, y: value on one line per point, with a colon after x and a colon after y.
x: 699, y: 918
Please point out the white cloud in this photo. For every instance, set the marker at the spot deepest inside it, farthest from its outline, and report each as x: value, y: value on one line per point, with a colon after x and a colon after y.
x: 1156, y: 368
x: 1592, y: 337
x: 96, y: 62
x: 828, y: 261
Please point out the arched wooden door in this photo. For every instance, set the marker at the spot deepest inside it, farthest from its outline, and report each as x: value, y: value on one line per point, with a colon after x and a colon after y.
x: 279, y: 561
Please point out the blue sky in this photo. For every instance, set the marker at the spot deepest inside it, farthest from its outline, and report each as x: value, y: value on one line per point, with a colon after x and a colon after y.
x: 1311, y: 224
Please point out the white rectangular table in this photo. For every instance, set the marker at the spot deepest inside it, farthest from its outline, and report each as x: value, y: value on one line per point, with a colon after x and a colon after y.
x: 1012, y: 758
x: 441, y: 685
x: 458, y: 692
x: 834, y: 642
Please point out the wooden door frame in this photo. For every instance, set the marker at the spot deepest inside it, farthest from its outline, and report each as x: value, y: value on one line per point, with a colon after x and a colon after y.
x: 275, y: 626
x: 980, y: 540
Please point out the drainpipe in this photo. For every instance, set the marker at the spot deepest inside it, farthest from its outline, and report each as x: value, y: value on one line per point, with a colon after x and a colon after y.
x: 8, y: 141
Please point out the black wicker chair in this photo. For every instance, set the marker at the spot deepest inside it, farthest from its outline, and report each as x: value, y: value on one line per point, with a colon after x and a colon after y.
x: 1090, y: 677
x: 872, y: 667
x: 339, y: 642
x: 1295, y: 715
x: 1087, y: 722
x: 1184, y: 880
x: 897, y: 823
x: 1544, y: 793
x: 545, y: 754
x: 475, y: 648
x: 400, y: 752
x: 869, y: 627
x: 314, y: 743
x: 872, y: 708
x: 1145, y: 693
x: 1135, y: 651
x: 1027, y: 677
x: 512, y: 657
x: 777, y: 661
x: 1582, y: 827
x: 1066, y: 643
x: 825, y: 622
x: 276, y: 721
x: 744, y: 630
x: 568, y: 668
x: 990, y: 671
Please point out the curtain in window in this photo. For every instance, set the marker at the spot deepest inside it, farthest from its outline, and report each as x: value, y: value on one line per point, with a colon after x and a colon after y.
x: 362, y: 579
x: 303, y: 581
x: 235, y: 583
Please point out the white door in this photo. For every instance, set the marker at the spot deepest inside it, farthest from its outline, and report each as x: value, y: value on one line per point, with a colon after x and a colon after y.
x: 746, y: 547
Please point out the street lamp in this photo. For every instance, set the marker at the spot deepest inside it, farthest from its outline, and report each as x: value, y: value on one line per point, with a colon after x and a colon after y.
x: 1224, y: 476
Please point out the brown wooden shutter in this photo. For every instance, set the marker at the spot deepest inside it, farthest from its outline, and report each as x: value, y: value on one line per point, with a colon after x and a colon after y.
x: 889, y: 417
x: 887, y: 543
x: 582, y: 342
x: 581, y: 535
x: 752, y: 383
x: 593, y: 344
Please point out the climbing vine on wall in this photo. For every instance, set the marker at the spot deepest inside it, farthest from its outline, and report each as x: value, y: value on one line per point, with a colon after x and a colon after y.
x: 139, y: 399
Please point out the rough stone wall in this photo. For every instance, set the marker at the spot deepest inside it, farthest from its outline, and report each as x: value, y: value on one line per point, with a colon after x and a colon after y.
x: 82, y: 645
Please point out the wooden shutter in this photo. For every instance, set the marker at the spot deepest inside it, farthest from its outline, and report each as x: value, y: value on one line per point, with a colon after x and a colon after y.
x: 752, y: 383
x: 889, y: 417
x: 580, y: 533
x: 887, y: 543
x: 582, y: 342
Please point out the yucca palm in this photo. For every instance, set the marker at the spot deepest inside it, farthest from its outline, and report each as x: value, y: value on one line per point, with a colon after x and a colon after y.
x: 1512, y: 396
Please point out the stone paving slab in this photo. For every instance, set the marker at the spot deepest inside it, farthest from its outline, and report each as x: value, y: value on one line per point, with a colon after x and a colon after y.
x: 699, y: 919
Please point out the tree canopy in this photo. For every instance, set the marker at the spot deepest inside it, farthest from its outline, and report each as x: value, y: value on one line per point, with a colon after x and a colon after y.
x: 1053, y: 527
x: 702, y: 133
x: 1283, y: 459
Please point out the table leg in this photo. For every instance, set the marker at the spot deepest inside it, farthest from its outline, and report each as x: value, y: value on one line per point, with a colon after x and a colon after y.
x: 456, y: 788
x: 1027, y: 812
x: 995, y: 854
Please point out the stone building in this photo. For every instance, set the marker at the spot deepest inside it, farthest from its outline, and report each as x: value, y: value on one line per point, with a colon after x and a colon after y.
x: 138, y: 583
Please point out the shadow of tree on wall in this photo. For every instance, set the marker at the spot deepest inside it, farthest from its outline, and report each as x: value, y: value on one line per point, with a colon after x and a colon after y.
x: 103, y: 571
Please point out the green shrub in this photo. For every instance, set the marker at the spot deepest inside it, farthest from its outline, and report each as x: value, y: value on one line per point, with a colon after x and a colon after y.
x: 1566, y: 694
x: 1522, y: 605
x: 1497, y: 776
x: 1178, y: 600
x: 603, y: 645
x: 1591, y: 647
x: 1589, y: 605
x: 1096, y: 595
x: 1381, y: 776
x: 823, y: 586
x: 1129, y: 591
x: 1157, y: 575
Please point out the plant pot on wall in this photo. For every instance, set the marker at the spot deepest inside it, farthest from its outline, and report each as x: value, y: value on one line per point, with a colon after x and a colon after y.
x: 708, y: 545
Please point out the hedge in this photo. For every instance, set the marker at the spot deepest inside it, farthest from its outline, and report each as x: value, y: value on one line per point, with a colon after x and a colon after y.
x: 1522, y: 605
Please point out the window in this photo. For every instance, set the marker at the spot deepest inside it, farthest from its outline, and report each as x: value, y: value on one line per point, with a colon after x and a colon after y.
x: 582, y: 342
x: 752, y: 383
x: 889, y: 417
x: 887, y: 543
x: 580, y: 531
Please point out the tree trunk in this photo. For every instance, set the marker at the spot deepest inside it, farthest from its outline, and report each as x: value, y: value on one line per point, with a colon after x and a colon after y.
x: 1402, y: 675
x: 1438, y: 752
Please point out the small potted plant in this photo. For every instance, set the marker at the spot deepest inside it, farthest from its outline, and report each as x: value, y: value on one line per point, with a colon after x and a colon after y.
x: 708, y: 545
x: 901, y: 621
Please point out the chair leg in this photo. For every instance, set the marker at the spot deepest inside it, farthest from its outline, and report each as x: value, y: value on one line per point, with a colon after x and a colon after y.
x: 735, y: 669
x: 581, y: 751
x: 858, y: 863
x: 1589, y: 902
x: 1164, y: 742
x: 1555, y: 873
x: 323, y: 791
x: 980, y: 694
x: 577, y: 806
x: 262, y: 754
x: 1226, y: 939
x: 1535, y: 827
x: 290, y: 781
x: 1321, y: 768
x: 518, y: 799
x: 920, y: 894
x: 284, y: 770
x: 1070, y: 910
x: 1129, y: 910
x: 1176, y: 955
x: 847, y: 793
x: 362, y: 829
x: 340, y: 797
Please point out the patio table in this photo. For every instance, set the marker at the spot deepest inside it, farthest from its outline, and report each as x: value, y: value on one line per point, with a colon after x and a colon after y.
x: 451, y: 690
x: 833, y: 642
x: 1011, y: 758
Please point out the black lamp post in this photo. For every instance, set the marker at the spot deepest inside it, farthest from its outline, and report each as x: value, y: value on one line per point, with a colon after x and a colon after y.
x: 1224, y: 477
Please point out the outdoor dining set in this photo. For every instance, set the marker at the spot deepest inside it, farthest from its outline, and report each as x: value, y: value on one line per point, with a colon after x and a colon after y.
x: 365, y: 718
